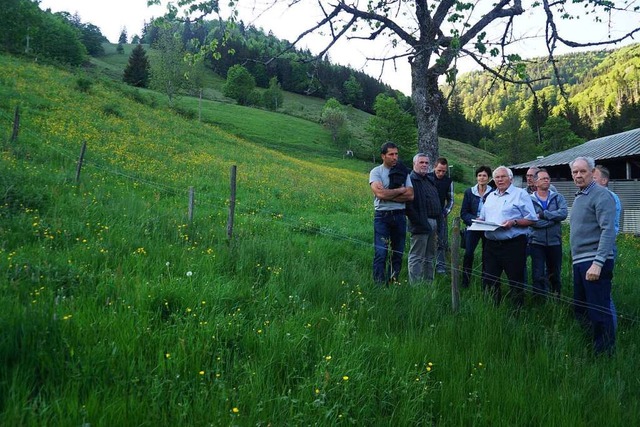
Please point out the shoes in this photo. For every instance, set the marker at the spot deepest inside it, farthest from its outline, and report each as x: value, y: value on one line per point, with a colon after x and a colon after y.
x: 441, y: 271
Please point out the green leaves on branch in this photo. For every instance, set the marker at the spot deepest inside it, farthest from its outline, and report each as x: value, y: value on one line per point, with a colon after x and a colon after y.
x: 480, y: 46
x: 518, y: 66
x: 451, y: 75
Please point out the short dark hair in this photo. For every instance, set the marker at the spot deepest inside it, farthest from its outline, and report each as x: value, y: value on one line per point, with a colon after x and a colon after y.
x: 385, y: 147
x: 483, y: 168
x: 604, y: 171
x: 442, y: 161
x: 538, y: 172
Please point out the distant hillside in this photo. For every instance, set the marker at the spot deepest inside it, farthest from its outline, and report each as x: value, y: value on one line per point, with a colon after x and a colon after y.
x: 594, y: 81
x: 300, y: 106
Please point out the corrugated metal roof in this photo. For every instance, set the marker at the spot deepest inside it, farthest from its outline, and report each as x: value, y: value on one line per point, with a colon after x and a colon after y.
x: 620, y: 145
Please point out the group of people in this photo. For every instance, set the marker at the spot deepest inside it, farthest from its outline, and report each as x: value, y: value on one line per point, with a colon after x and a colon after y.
x: 517, y: 223
x: 425, y: 198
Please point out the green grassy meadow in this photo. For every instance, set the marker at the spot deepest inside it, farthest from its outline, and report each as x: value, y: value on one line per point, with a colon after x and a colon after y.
x: 116, y: 310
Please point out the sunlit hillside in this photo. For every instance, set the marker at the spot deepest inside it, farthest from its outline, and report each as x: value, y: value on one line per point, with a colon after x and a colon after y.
x: 305, y: 107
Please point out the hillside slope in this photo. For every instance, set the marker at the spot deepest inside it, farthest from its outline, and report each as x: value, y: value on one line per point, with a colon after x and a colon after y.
x: 224, y: 113
x: 593, y: 80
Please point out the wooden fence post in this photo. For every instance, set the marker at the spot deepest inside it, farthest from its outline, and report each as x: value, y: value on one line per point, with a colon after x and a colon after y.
x: 80, y: 160
x: 232, y: 202
x: 455, y: 264
x: 16, y: 125
x: 191, y: 202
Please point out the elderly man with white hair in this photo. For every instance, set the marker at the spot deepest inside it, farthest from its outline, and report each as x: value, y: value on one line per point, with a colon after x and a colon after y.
x: 511, y: 208
x: 592, y: 239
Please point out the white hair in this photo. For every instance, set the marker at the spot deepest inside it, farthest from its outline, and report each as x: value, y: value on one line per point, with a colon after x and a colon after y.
x: 509, y: 171
x: 591, y: 163
x: 417, y: 156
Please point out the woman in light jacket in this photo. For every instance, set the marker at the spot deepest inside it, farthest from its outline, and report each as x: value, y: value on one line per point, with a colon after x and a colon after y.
x: 471, y: 205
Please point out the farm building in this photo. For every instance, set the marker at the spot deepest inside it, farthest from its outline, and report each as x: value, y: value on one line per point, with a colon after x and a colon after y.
x: 620, y: 153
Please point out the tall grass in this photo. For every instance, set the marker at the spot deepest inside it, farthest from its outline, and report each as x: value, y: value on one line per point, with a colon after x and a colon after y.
x: 117, y: 311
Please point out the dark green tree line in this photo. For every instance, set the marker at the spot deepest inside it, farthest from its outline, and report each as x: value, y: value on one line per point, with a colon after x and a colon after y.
x: 27, y: 30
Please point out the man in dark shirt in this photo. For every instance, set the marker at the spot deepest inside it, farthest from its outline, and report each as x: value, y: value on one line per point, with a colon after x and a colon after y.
x: 423, y: 213
x: 444, y: 184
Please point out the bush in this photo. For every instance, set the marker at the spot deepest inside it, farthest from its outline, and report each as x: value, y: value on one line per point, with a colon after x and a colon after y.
x: 84, y: 84
x: 457, y: 173
x: 255, y: 98
x: 184, y: 112
x: 137, y: 95
x: 112, y: 110
x: 273, y: 97
x: 240, y: 85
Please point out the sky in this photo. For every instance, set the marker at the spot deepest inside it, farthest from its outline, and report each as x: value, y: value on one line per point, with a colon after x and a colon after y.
x: 111, y: 16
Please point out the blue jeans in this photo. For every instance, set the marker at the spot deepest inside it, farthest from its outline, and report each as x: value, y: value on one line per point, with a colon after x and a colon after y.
x: 390, y: 233
x: 546, y: 263
x: 593, y: 306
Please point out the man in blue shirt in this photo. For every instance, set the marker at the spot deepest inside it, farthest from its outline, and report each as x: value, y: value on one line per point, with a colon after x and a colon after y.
x: 601, y: 177
x: 506, y: 247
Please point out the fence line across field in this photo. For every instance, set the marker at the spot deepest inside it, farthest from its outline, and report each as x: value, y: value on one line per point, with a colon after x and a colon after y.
x: 454, y: 269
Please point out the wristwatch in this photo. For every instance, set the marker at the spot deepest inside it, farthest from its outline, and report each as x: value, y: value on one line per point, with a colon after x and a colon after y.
x: 515, y: 222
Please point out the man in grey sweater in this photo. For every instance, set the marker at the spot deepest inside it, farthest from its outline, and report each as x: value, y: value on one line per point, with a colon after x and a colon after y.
x: 592, y: 238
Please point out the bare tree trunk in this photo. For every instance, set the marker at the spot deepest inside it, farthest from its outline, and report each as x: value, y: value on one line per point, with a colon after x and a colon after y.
x: 428, y: 101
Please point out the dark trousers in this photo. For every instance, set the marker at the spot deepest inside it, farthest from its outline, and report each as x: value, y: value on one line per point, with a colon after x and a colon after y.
x: 508, y: 256
x: 593, y: 306
x: 390, y: 233
x: 472, y: 238
x: 546, y: 264
x: 443, y: 245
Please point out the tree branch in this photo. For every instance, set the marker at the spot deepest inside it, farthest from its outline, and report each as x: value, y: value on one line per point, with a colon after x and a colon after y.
x: 502, y: 76
x: 370, y: 16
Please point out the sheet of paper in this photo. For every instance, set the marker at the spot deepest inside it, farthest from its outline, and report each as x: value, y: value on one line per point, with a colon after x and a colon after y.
x: 480, y: 225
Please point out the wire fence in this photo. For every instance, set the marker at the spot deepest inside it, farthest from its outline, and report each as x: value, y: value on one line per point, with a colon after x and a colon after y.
x: 292, y: 224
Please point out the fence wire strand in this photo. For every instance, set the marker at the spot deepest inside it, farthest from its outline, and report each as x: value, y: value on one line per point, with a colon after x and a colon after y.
x: 296, y: 225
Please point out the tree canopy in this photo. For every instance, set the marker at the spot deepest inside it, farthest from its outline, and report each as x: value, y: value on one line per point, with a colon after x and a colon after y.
x: 239, y: 85
x: 28, y: 30
x: 168, y: 68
